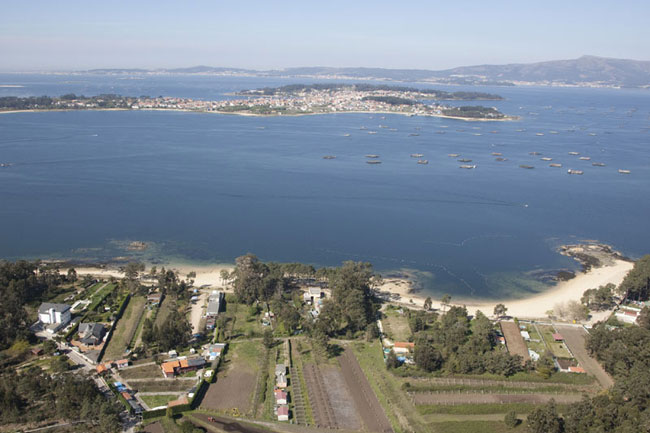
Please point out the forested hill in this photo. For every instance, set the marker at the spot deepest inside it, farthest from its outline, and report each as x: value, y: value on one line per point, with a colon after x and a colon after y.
x: 585, y: 71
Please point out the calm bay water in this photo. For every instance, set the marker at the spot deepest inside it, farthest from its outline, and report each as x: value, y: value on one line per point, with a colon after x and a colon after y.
x: 206, y: 187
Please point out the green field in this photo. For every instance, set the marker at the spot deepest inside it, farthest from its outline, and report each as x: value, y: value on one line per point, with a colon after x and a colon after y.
x: 557, y: 347
x: 480, y: 409
x: 144, y: 372
x: 158, y: 400
x: 476, y: 426
x: 240, y: 323
x: 396, y: 325
x: 124, y: 330
x: 164, y: 310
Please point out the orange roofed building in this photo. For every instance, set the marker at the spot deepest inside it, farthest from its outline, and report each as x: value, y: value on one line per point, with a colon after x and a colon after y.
x: 402, y: 347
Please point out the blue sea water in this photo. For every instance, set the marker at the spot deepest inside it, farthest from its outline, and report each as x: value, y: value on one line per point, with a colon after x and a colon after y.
x: 207, y: 187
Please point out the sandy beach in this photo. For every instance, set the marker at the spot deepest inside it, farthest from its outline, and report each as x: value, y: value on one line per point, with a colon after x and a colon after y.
x: 533, y: 307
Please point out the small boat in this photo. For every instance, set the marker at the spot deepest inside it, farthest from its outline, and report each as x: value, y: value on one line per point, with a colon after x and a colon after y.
x: 520, y: 130
x: 546, y: 158
x: 570, y: 171
x: 372, y: 156
x: 552, y: 132
x: 574, y: 153
x: 423, y: 161
x: 555, y: 164
x: 501, y: 159
x: 598, y: 164
x: 329, y: 157
x: 464, y: 160
x: 469, y: 167
x: 416, y: 155
x: 529, y: 167
x: 460, y: 130
x: 363, y: 128
x: 393, y: 129
x: 477, y: 134
x: 373, y: 162
x: 539, y: 134
x: 346, y: 135
x: 453, y: 155
x: 372, y: 132
x: 260, y: 127
x: 494, y: 132
x: 624, y: 171
x: 584, y: 158
x: 383, y: 126
x: 413, y: 134
x: 5, y: 164
x: 497, y: 154
x: 593, y: 134
x: 534, y: 153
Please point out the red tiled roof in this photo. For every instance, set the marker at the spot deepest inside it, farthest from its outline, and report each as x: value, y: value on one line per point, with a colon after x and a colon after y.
x: 558, y: 337
x: 404, y: 345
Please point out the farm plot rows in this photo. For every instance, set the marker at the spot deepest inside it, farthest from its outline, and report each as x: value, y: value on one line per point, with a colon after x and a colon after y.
x: 125, y: 329
x: 369, y: 408
x: 514, y: 342
x: 446, y: 398
x: 320, y: 403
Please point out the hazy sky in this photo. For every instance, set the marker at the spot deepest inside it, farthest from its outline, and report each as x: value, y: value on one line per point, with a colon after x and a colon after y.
x: 48, y: 35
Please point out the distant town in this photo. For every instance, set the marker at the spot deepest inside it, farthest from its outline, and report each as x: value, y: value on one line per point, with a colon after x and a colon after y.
x: 287, y: 100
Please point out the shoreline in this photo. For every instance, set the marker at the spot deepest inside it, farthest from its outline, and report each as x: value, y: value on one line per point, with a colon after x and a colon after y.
x: 534, y: 306
x: 465, y: 119
x: 531, y: 307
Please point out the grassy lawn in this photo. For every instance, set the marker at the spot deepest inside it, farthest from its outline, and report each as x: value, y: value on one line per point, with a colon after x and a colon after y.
x: 396, y: 325
x: 144, y: 372
x: 477, y: 426
x: 163, y: 385
x: 480, y: 409
x: 164, y: 310
x: 535, y: 342
x: 125, y: 327
x: 240, y: 323
x: 99, y: 295
x: 248, y: 352
x: 558, y: 348
x: 158, y: 400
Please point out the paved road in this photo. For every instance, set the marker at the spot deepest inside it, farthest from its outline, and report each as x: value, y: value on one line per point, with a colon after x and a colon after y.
x: 574, y: 337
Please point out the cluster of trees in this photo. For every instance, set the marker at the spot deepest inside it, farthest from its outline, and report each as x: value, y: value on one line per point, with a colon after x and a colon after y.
x: 362, y: 87
x: 636, y: 284
x: 474, y: 111
x: 24, y: 282
x: 64, y: 102
x: 601, y: 298
x: 34, y: 396
x: 352, y: 306
x: 391, y: 100
x: 455, y: 344
x: 173, y: 333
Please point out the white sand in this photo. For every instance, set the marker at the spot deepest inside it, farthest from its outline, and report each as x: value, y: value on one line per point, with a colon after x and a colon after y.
x: 535, y: 306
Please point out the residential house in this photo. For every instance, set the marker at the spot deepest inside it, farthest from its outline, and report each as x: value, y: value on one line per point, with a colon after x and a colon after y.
x: 169, y: 368
x: 213, y: 351
x: 154, y: 299
x: 122, y: 363
x: 312, y: 295
x: 577, y: 370
x: 280, y: 396
x: 558, y: 337
x: 565, y: 365
x: 283, y: 413
x: 215, y: 300
x: 525, y: 335
x: 51, y: 314
x: 627, y: 315
x: 403, y: 348
x: 91, y: 334
x: 137, y: 409
x: 101, y: 368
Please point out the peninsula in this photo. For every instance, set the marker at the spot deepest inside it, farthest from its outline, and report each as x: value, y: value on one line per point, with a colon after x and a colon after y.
x: 292, y: 100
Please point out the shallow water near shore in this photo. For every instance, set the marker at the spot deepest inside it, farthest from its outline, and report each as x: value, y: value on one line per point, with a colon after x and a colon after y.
x: 207, y: 188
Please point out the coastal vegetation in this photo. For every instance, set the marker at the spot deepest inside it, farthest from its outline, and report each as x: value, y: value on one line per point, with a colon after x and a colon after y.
x: 474, y: 112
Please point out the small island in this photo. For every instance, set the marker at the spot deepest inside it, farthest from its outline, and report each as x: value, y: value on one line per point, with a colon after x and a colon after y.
x: 291, y: 100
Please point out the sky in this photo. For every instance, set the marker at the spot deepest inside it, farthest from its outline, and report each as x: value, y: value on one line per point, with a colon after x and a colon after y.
x: 78, y: 35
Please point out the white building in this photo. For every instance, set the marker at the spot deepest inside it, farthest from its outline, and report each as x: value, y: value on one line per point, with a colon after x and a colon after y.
x: 214, y: 303
x: 54, y: 313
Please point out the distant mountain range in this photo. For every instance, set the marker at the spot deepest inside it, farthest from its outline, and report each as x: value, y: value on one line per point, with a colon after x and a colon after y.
x: 584, y: 71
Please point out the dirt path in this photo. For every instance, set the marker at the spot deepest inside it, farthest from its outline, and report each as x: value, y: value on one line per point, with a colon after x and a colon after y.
x: 369, y: 408
x: 318, y: 397
x: 197, y: 311
x: 574, y: 338
x: 514, y: 341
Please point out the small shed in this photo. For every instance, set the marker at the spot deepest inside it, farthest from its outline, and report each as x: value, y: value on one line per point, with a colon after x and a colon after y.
x: 283, y: 413
x: 558, y: 337
x: 122, y: 363
x: 280, y: 396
